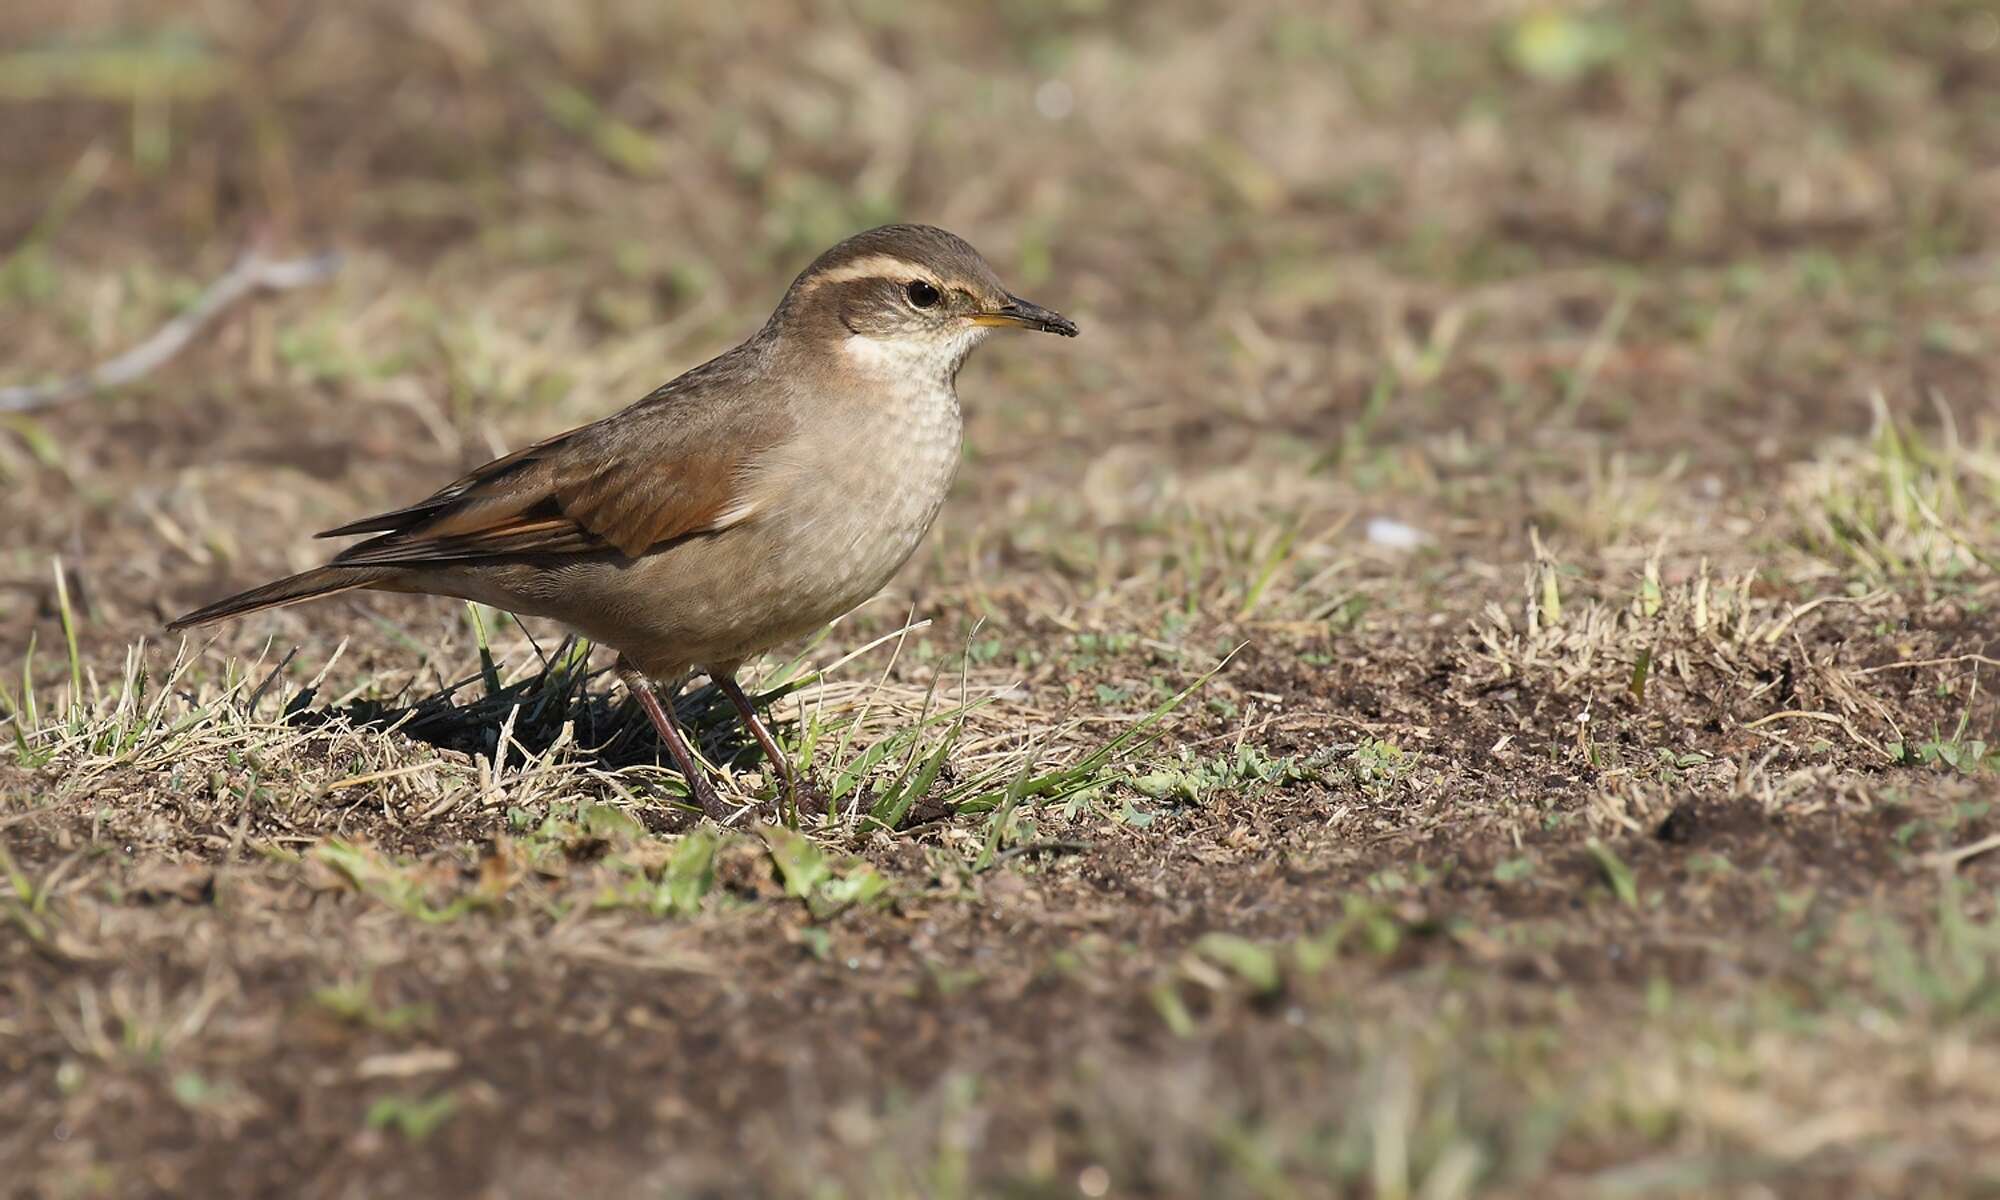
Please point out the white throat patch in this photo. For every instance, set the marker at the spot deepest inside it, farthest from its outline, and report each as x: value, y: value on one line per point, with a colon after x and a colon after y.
x: 910, y: 360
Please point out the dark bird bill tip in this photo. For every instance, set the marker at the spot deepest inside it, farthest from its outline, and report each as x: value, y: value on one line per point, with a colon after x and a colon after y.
x: 1026, y: 314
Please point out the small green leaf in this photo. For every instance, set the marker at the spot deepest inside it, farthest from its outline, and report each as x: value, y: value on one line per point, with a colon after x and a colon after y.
x: 689, y: 875
x: 825, y: 886
x: 387, y: 881
x: 800, y: 863
x: 1617, y: 875
x: 611, y: 823
x: 35, y: 436
x: 1173, y: 1010
x: 414, y: 1118
x: 1255, y: 963
x: 192, y: 1090
x: 860, y: 885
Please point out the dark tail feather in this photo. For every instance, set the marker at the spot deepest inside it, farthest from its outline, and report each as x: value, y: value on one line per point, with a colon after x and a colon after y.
x: 320, y: 581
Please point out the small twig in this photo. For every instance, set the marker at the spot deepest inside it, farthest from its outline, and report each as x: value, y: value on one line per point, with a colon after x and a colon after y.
x: 1929, y: 662
x: 1847, y: 726
x: 1945, y: 860
x: 252, y: 273
x: 377, y: 776
x: 250, y: 706
x: 1792, y: 618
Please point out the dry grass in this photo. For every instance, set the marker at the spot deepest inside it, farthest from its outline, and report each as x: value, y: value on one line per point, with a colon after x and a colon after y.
x: 1474, y: 676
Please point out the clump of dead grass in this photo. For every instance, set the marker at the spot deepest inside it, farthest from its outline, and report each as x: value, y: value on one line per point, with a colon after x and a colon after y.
x: 1899, y: 506
x: 1725, y: 648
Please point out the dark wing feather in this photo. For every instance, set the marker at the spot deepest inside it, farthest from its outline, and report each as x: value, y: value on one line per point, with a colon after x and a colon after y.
x: 481, y: 478
x: 672, y: 465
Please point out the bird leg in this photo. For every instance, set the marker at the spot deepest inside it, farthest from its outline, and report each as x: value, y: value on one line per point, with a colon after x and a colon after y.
x: 779, y: 763
x: 670, y: 732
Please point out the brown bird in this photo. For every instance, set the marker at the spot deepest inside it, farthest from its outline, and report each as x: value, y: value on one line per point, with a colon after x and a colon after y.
x: 746, y: 503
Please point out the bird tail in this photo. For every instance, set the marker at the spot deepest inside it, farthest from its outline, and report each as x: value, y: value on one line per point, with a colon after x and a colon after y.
x: 306, y: 585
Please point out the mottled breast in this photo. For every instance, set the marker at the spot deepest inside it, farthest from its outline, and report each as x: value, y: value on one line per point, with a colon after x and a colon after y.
x: 891, y: 463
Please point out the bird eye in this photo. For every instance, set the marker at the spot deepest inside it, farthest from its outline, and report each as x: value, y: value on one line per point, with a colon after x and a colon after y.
x: 921, y: 294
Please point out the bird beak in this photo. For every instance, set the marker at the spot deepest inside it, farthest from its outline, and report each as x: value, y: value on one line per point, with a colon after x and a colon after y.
x: 1027, y: 315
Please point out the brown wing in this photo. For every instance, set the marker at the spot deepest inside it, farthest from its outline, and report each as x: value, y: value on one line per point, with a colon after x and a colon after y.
x: 672, y: 465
